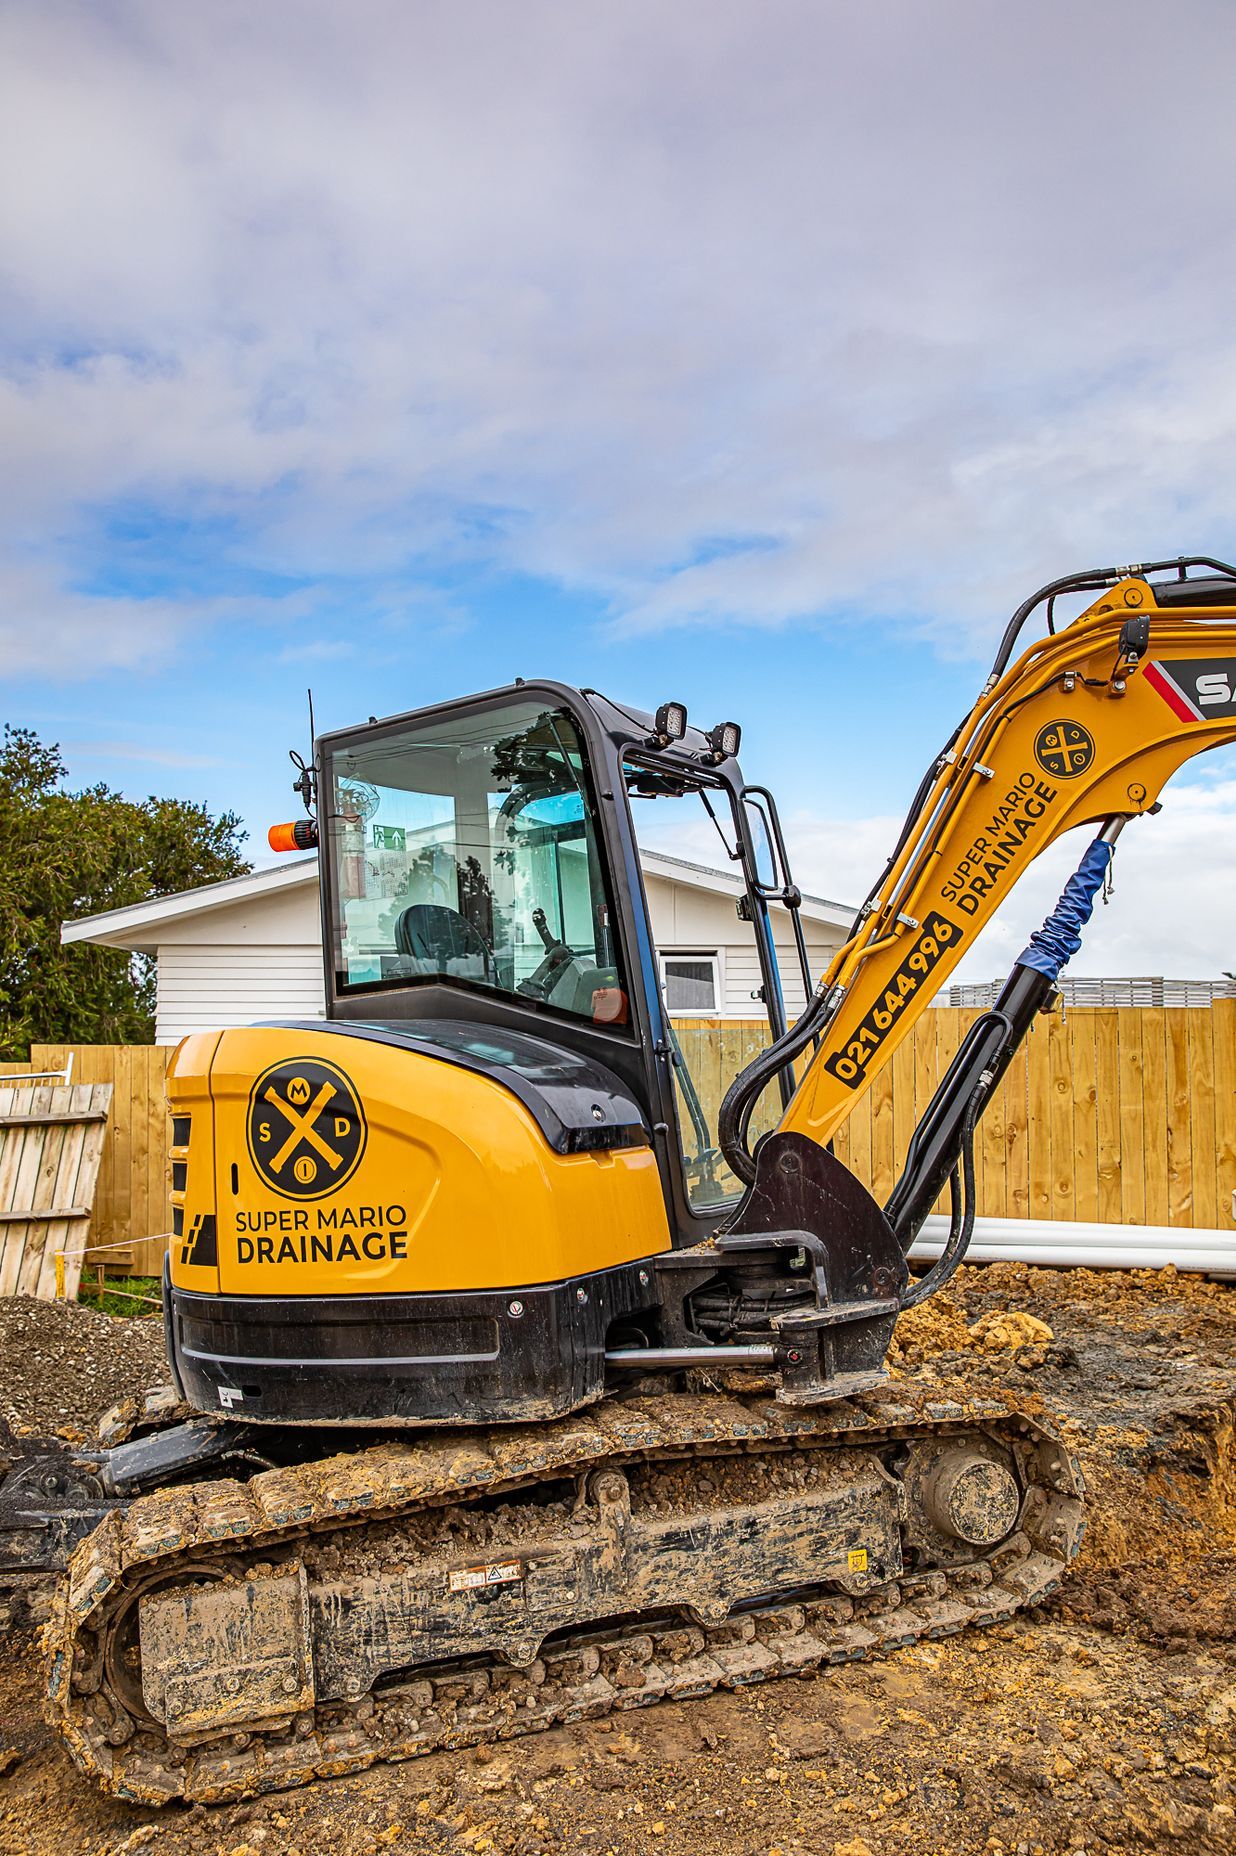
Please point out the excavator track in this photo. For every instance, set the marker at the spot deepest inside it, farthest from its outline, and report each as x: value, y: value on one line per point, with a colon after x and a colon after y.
x: 725, y: 1487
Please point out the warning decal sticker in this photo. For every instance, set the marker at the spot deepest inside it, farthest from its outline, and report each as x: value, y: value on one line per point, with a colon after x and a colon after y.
x: 478, y: 1578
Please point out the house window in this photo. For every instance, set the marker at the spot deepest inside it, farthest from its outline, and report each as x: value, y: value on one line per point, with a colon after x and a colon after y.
x: 692, y: 984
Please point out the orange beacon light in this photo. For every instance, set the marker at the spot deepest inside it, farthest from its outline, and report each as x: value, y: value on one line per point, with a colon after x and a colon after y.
x: 300, y: 834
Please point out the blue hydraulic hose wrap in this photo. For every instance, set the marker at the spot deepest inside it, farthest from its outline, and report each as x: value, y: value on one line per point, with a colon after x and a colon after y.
x: 1060, y: 936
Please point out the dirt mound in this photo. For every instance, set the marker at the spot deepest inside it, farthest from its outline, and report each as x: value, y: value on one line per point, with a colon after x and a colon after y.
x: 935, y: 1327
x: 62, y: 1365
x: 1137, y: 1296
x: 1161, y: 1493
x: 942, y: 1326
x: 1009, y: 1330
x: 1158, y: 1602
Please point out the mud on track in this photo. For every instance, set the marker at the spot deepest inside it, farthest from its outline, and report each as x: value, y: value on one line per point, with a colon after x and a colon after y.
x: 1105, y: 1722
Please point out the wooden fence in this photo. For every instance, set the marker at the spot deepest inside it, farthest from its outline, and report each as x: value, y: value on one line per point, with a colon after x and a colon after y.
x: 132, y: 1206
x: 51, y: 1139
x: 1114, y: 1116
x: 1121, y: 1116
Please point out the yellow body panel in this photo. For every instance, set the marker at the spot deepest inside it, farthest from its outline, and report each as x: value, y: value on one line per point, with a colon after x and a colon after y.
x: 443, y: 1182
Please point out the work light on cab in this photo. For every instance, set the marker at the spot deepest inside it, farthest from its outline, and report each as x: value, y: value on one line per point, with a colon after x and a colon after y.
x: 669, y: 724
x: 724, y: 740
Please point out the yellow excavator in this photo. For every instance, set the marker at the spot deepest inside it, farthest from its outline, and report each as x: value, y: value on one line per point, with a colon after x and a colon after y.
x: 508, y: 1390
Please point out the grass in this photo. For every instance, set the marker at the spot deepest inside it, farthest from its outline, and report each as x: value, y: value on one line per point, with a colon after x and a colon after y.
x: 122, y: 1295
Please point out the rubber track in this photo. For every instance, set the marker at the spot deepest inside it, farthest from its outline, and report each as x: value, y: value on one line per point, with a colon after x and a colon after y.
x: 572, y: 1680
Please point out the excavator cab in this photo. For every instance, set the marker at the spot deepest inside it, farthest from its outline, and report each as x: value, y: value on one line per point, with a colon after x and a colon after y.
x: 481, y: 865
x: 448, y: 1199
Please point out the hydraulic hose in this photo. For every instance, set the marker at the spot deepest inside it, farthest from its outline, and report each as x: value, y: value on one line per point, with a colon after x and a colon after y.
x: 1049, y: 948
x: 963, y: 1204
x: 734, y: 1118
x: 1093, y: 581
x: 964, y: 1090
x: 989, y: 1045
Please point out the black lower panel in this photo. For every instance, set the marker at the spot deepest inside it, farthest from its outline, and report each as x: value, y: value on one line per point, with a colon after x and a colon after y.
x: 471, y: 1358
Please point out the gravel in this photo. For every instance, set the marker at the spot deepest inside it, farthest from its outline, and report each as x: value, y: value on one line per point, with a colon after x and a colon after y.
x: 62, y: 1365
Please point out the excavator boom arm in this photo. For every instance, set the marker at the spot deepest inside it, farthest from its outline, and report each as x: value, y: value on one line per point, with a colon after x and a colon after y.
x: 1086, y: 725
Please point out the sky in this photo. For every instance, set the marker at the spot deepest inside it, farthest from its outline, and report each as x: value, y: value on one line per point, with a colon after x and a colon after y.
x: 758, y: 353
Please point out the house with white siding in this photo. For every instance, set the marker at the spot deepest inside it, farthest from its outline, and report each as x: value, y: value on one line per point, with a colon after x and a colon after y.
x: 249, y: 949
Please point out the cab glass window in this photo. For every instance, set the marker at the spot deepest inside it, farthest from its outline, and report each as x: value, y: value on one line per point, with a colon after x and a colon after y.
x: 685, y: 830
x: 464, y: 851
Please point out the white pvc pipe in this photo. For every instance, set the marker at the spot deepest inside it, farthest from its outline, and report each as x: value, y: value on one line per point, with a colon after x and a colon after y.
x: 1087, y: 1246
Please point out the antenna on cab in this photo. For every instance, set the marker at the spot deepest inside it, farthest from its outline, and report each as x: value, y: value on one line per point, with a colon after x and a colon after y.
x: 300, y: 834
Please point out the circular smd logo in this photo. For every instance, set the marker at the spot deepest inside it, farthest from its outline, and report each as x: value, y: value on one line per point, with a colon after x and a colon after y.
x: 1064, y: 749
x: 306, y: 1128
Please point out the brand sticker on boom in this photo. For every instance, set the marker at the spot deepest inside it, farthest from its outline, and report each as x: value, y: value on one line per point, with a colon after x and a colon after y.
x: 1195, y: 689
x: 849, y: 1064
x: 976, y: 877
x: 1064, y: 749
x: 306, y: 1128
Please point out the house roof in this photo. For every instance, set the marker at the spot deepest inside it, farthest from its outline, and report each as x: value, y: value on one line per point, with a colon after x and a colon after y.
x: 726, y: 883
x: 137, y: 927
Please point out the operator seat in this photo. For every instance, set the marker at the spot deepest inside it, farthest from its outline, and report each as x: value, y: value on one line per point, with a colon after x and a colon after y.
x: 444, y: 941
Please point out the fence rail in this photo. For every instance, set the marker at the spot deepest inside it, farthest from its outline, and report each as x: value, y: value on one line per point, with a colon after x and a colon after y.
x: 51, y: 1137
x: 1120, y: 1116
x: 1152, y: 990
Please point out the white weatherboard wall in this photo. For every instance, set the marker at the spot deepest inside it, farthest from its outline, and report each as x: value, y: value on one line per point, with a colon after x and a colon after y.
x: 210, y: 988
x: 260, y: 958
x: 687, y: 919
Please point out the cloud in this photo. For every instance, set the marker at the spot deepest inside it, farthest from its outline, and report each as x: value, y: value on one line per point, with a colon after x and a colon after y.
x: 830, y: 315
x: 50, y: 628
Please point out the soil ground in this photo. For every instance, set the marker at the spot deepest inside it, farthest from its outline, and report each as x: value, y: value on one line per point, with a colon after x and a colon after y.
x: 1103, y: 1722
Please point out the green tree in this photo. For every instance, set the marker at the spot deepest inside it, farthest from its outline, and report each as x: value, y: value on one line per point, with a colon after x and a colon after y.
x: 65, y: 854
